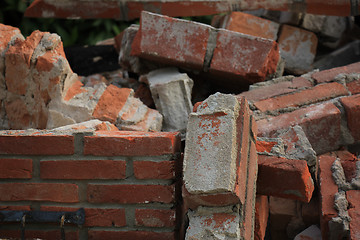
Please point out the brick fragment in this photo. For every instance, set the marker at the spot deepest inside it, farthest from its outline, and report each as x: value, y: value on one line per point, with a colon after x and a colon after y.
x: 123, y: 194
x: 261, y: 216
x: 154, y: 217
x: 43, y: 144
x: 321, y: 124
x: 16, y: 168
x: 245, y: 58
x: 52, y: 192
x: 329, y: 75
x: 352, y: 109
x: 251, y: 25
x: 133, y: 235
x: 82, y: 169
x: 305, y: 97
x: 298, y: 48
x: 285, y: 178
x: 353, y: 197
x: 154, y: 170
x: 123, y: 143
x: 173, y: 34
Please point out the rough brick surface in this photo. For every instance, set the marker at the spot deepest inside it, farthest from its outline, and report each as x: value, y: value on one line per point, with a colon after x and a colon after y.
x: 328, y: 189
x: 99, y: 193
x: 154, y: 170
x: 244, y: 57
x: 53, y: 192
x: 305, y: 97
x: 36, y: 144
x: 352, y: 109
x: 298, y: 48
x: 154, y: 217
x: 285, y: 178
x: 251, y: 25
x: 329, y: 75
x: 321, y: 124
x: 125, y: 143
x: 16, y: 168
x: 134, y: 235
x: 353, y: 198
x: 261, y: 216
x: 173, y: 34
x: 82, y: 169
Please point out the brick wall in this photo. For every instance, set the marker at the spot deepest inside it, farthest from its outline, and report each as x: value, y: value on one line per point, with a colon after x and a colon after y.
x: 125, y: 181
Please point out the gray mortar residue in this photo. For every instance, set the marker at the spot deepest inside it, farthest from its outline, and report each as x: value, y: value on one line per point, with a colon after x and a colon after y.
x: 339, y: 227
x: 355, y: 182
x: 339, y: 176
x: 271, y: 82
x: 346, y: 137
x: 211, y: 44
x: 277, y: 150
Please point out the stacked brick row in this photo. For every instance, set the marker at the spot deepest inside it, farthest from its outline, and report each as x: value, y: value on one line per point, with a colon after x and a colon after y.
x: 125, y: 181
x: 220, y: 169
x: 129, y: 10
x: 316, y: 114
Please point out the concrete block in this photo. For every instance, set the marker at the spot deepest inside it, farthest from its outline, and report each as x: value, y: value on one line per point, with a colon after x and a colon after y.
x: 213, y: 223
x: 298, y: 48
x: 330, y: 26
x: 171, y: 92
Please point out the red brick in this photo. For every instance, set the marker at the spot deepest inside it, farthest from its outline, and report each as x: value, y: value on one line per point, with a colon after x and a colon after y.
x: 99, y: 193
x: 96, y: 217
x: 17, y: 114
x: 39, y: 234
x: 276, y: 89
x: 243, y: 57
x: 352, y: 109
x: 123, y: 143
x: 305, y: 97
x: 15, y: 208
x: 82, y: 169
x: 52, y: 192
x: 263, y: 146
x: 110, y: 103
x: 321, y: 124
x: 37, y: 144
x: 183, y: 43
x: 155, y: 217
x: 154, y: 170
x: 261, y: 216
x: 333, y: 8
x: 329, y: 75
x: 298, y: 48
x: 249, y: 224
x: 280, y: 177
x: 251, y: 25
x: 328, y: 189
x: 7, y: 33
x: 16, y: 168
x: 354, y: 86
x: 353, y: 197
x: 348, y: 162
x: 133, y: 235
x: 74, y: 89
x: 74, y: 9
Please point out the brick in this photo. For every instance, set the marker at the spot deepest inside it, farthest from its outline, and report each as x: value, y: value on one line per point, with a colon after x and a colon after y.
x: 298, y: 48
x: 15, y: 208
x: 285, y: 178
x: 82, y: 169
x: 245, y: 58
x: 329, y: 75
x: 154, y: 217
x: 328, y: 189
x: 276, y: 89
x: 123, y: 143
x: 321, y: 124
x: 42, y: 144
x: 305, y: 97
x: 134, y: 235
x: 95, y: 217
x: 39, y: 234
x: 110, y: 103
x: 16, y: 168
x: 173, y: 34
x: 261, y: 216
x: 52, y: 192
x: 348, y: 163
x: 333, y: 8
x: 354, y: 86
x: 154, y: 170
x: 213, y: 147
x: 352, y: 109
x: 353, y: 197
x: 264, y: 146
x: 123, y: 194
x: 251, y: 25
x: 7, y: 34
x: 310, y: 212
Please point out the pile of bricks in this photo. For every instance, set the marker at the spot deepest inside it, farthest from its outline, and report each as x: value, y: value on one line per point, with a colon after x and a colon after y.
x: 163, y: 156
